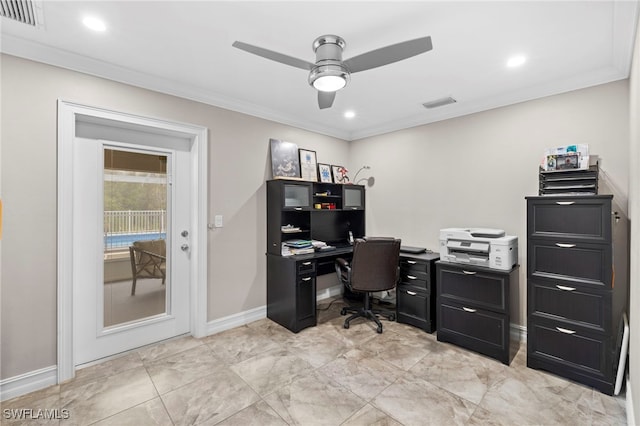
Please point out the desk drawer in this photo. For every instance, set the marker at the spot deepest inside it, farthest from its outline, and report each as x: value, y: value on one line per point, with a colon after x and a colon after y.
x: 585, y: 263
x: 575, y: 304
x: 476, y: 329
x: 416, y: 279
x: 475, y: 288
x: 570, y: 218
x: 569, y: 349
x: 306, y: 266
x: 415, y: 265
x: 415, y: 307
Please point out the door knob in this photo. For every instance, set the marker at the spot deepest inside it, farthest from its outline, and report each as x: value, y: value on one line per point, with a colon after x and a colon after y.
x: 185, y: 233
x: 184, y: 247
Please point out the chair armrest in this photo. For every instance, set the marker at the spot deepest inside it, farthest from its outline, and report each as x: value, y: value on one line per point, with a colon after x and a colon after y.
x: 343, y: 263
x: 343, y: 270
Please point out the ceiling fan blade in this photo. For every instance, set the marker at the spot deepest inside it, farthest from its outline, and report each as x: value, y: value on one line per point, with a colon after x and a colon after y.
x: 389, y: 54
x: 274, y: 56
x: 325, y: 99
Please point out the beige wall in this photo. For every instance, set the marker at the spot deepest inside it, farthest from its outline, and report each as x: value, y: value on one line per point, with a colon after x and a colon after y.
x: 634, y: 215
x: 471, y: 171
x: 475, y: 171
x: 238, y: 167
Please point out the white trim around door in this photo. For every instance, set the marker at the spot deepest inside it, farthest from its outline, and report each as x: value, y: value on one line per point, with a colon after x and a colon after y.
x: 69, y: 114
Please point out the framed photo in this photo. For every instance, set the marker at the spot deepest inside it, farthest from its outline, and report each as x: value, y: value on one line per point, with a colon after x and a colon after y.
x: 284, y: 159
x: 308, y: 165
x: 339, y: 174
x: 324, y: 171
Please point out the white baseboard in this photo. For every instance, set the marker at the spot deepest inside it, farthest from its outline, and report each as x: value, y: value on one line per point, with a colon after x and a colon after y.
x: 518, y: 332
x: 631, y: 418
x: 28, y: 382
x: 336, y: 290
x: 236, y: 320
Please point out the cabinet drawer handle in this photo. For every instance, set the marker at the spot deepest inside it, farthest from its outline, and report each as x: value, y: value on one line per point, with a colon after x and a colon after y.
x: 565, y: 331
x: 306, y: 279
x: 565, y: 203
x: 298, y: 208
x: 468, y: 309
x: 565, y: 245
x: 561, y: 287
x: 469, y: 272
x: 411, y: 293
x: 306, y: 263
x: 411, y: 277
x: 411, y: 262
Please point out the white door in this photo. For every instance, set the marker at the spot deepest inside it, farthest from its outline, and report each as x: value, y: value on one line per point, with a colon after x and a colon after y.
x: 108, y: 316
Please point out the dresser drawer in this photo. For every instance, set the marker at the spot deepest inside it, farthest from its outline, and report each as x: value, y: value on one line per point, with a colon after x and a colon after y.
x: 570, y: 218
x: 570, y: 262
x: 568, y: 350
x: 476, y: 329
x: 577, y: 304
x: 473, y: 287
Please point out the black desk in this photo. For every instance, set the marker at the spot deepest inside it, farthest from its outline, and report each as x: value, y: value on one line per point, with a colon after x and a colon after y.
x: 291, y: 287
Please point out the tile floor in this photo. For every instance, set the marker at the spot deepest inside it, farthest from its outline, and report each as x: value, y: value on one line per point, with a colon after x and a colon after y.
x: 262, y: 374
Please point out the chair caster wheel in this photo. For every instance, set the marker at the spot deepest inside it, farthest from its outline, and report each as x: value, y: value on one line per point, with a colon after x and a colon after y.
x: 343, y: 311
x: 345, y: 325
x: 379, y: 330
x: 392, y: 317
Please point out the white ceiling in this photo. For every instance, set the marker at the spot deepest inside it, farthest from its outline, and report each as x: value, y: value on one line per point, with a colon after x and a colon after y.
x: 184, y: 48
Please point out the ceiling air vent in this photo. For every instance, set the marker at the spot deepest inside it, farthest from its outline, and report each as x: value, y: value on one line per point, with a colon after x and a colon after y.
x: 439, y: 102
x: 25, y: 11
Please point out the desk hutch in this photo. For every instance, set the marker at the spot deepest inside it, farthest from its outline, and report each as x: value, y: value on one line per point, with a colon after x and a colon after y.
x: 291, y: 280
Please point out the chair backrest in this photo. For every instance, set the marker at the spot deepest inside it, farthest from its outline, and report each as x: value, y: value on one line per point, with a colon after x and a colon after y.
x: 158, y: 247
x: 374, y: 266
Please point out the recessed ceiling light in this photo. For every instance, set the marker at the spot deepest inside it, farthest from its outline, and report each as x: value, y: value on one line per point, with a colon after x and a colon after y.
x: 94, y: 23
x: 516, y: 61
x: 349, y: 114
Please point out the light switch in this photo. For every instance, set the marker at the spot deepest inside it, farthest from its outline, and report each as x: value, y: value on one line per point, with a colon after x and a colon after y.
x: 218, y: 221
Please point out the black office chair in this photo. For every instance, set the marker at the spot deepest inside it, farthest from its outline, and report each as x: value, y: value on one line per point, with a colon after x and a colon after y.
x: 374, y: 267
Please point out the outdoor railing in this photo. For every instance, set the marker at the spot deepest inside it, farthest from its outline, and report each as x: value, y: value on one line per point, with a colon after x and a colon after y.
x: 121, y: 228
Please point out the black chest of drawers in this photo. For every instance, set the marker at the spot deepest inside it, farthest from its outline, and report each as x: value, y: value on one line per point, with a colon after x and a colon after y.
x: 576, y: 287
x: 416, y: 292
x: 474, y: 305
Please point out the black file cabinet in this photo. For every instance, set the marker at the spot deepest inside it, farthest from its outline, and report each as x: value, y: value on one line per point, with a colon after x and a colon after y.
x: 291, y: 292
x: 574, y: 307
x: 474, y: 308
x: 415, y: 294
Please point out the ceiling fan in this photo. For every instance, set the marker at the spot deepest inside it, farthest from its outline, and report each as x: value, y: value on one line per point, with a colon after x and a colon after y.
x: 330, y: 73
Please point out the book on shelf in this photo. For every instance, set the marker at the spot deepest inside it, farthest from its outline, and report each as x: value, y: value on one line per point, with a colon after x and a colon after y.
x: 299, y: 243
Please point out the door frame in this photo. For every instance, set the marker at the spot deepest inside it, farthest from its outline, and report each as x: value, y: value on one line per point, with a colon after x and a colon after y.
x: 68, y: 115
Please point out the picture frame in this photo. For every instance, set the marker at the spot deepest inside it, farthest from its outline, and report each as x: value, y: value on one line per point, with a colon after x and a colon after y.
x: 285, y: 162
x: 308, y: 165
x: 324, y: 173
x: 339, y: 174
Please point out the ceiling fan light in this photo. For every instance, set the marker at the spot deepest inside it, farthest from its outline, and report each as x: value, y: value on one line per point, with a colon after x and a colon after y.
x: 329, y: 83
x: 328, y: 78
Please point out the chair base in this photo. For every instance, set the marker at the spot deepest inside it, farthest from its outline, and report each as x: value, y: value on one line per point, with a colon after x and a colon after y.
x: 366, y: 311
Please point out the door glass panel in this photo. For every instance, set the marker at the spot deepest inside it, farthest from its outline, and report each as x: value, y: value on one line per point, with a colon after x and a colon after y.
x: 135, y: 230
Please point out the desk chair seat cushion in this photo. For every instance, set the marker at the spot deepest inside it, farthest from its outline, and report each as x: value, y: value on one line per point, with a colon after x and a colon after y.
x: 373, y: 268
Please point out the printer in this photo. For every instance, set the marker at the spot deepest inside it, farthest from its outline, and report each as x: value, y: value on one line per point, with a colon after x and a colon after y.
x: 479, y: 246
